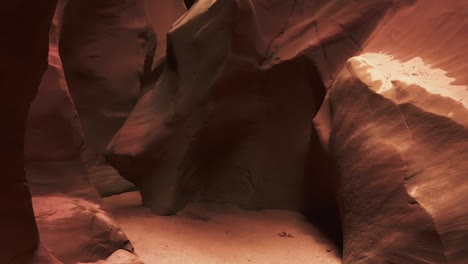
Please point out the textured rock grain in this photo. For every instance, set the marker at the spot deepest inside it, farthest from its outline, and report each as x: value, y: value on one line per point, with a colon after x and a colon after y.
x: 399, y: 133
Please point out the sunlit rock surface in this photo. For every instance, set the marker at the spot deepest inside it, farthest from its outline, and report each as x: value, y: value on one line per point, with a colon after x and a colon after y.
x: 354, y: 113
x: 399, y: 132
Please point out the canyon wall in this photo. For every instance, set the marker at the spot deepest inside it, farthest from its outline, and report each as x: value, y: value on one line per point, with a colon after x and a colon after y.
x: 230, y: 116
x: 73, y: 225
x: 23, y: 49
x: 399, y: 117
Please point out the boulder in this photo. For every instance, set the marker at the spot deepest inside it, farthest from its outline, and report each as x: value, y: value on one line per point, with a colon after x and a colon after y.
x: 76, y: 230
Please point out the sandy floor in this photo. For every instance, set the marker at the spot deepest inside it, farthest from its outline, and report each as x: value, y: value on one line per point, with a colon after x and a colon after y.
x: 206, y: 233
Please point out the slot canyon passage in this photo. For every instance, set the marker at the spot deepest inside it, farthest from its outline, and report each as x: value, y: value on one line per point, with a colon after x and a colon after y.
x: 234, y: 131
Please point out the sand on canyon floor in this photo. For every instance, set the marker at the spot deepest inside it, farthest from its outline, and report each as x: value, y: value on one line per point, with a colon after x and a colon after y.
x: 209, y: 233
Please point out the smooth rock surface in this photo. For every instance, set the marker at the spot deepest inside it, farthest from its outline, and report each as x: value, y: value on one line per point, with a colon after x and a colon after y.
x: 411, y: 164
x: 24, y: 27
x: 399, y: 134
x: 225, y: 122
x: 103, y: 57
x: 354, y: 113
x: 161, y: 15
x: 72, y: 224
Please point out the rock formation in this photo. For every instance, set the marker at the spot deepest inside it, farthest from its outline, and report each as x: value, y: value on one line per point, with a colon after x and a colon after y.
x: 77, y: 230
x: 23, y: 50
x: 399, y: 132
x: 72, y: 224
x: 208, y: 130
x: 224, y: 121
x: 355, y: 112
x: 103, y: 57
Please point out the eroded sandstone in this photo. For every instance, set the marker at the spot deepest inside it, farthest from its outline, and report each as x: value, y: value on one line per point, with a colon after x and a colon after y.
x: 399, y: 135
x: 225, y: 122
x: 72, y: 223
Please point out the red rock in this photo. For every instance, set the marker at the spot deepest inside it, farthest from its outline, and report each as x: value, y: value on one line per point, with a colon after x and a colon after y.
x: 161, y: 15
x: 399, y: 133
x: 23, y: 50
x: 103, y: 57
x: 224, y: 121
x: 229, y: 119
x: 72, y: 224
x: 77, y: 230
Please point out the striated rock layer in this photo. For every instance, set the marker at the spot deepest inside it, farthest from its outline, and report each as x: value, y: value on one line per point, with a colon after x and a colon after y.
x: 399, y: 133
x: 230, y: 116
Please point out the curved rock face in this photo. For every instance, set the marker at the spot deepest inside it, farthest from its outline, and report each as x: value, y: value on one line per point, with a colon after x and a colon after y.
x: 225, y: 122
x: 230, y: 120
x: 23, y: 49
x: 399, y: 132
x: 54, y: 144
x: 72, y: 224
x: 161, y: 15
x: 103, y: 57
